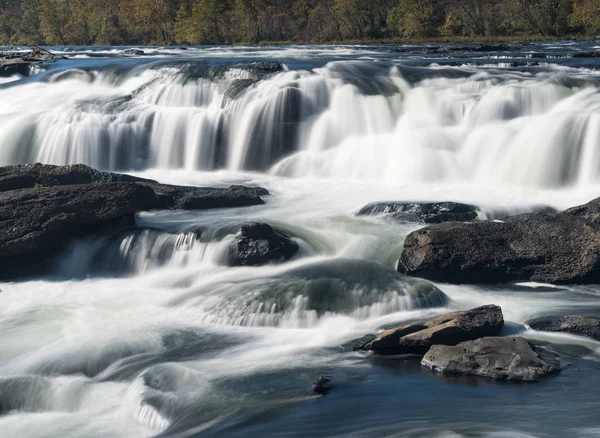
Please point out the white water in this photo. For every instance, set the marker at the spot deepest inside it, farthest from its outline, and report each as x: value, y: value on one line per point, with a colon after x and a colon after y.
x: 138, y: 333
x: 488, y: 128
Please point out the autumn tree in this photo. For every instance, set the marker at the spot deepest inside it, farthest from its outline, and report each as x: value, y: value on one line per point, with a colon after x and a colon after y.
x: 586, y: 15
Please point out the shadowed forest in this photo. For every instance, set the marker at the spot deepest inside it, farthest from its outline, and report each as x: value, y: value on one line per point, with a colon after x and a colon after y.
x: 165, y: 22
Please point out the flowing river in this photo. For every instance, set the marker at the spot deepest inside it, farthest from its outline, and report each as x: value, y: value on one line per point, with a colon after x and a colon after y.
x: 150, y: 334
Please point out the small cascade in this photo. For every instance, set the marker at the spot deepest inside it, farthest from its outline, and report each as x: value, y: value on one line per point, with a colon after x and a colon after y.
x: 140, y: 251
x: 300, y: 297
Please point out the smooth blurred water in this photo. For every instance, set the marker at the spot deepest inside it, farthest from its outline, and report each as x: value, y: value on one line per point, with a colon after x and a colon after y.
x: 149, y: 333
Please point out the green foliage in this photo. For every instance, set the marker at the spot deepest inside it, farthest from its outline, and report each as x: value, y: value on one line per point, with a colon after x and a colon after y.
x: 586, y: 16
x: 107, y: 22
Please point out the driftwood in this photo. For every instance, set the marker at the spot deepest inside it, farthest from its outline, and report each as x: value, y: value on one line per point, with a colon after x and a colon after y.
x: 12, y: 63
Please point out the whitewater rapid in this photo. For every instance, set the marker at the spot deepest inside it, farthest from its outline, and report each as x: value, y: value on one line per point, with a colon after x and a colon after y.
x: 150, y: 333
x: 354, y: 119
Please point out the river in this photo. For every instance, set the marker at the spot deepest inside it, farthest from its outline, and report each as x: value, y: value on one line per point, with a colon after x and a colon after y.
x: 151, y: 334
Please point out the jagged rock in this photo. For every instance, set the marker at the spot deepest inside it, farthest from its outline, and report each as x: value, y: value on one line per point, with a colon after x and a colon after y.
x: 499, y: 358
x: 561, y: 248
x: 426, y: 212
x: 12, y: 63
x: 257, y: 244
x: 573, y: 324
x: 448, y: 329
x: 43, y: 207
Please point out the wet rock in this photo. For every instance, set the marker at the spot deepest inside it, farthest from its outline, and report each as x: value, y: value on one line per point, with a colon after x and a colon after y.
x: 561, y: 248
x: 322, y: 385
x: 135, y: 52
x: 44, y: 207
x: 573, y: 324
x: 258, y: 244
x: 358, y: 344
x: 426, y: 212
x: 590, y: 54
x: 166, y: 196
x: 11, y: 67
x: 498, y: 358
x: 448, y: 329
x: 13, y: 63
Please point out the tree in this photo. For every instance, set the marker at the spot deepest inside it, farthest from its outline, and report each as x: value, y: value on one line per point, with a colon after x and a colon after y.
x: 417, y: 18
x: 53, y: 19
x: 586, y: 16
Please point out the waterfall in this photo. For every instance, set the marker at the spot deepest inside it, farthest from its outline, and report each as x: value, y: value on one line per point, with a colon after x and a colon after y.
x: 346, y: 120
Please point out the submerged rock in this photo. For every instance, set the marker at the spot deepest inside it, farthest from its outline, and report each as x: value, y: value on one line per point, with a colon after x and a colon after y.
x: 573, y: 324
x: 448, y: 329
x: 258, y: 244
x: 322, y: 385
x: 499, y: 358
x: 303, y: 294
x: 44, y: 207
x: 426, y: 212
x: 136, y: 52
x: 561, y: 248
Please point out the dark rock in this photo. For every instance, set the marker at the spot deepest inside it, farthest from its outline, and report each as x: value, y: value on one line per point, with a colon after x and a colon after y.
x: 37, y: 222
x: 448, y: 329
x: 167, y: 196
x: 257, y: 244
x: 43, y: 207
x: 561, y: 248
x: 499, y: 358
x: 358, y: 344
x: 426, y: 212
x: 202, y: 198
x: 11, y: 67
x: 573, y: 324
x: 590, y: 54
x: 12, y: 63
x: 136, y: 52
x: 322, y: 385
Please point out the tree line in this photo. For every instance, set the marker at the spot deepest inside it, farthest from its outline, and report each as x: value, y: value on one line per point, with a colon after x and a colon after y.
x: 165, y: 22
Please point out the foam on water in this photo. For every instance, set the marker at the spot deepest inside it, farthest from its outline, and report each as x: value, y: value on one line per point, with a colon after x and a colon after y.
x: 148, y: 332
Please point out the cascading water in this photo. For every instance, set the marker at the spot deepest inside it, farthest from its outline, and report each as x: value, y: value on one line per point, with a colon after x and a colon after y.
x: 149, y: 332
x: 347, y: 119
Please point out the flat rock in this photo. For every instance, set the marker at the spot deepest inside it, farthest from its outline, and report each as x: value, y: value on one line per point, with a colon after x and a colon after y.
x: 558, y: 248
x: 425, y: 212
x: 498, y: 358
x: 447, y: 329
x: 573, y: 324
x: 258, y: 244
x: 44, y: 207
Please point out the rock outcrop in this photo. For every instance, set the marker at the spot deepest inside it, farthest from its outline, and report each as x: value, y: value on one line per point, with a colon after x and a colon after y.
x: 573, y: 324
x: 561, y: 248
x: 258, y: 244
x: 448, y: 329
x: 43, y: 207
x: 13, y: 63
x: 425, y: 212
x: 499, y: 358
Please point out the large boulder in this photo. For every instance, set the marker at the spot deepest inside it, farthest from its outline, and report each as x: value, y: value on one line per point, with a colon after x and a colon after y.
x: 559, y: 248
x: 499, y: 358
x: 425, y: 212
x: 167, y: 196
x: 258, y: 244
x: 448, y: 329
x: 573, y: 324
x: 43, y: 207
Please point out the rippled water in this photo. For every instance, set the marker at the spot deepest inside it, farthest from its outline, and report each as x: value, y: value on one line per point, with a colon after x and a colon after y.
x: 149, y: 333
